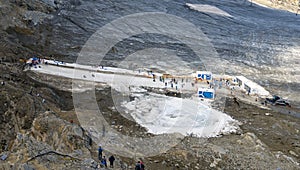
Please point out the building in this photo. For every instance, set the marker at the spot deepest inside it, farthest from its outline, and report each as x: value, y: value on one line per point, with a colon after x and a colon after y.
x: 206, y: 93
x: 250, y: 87
x: 204, y: 75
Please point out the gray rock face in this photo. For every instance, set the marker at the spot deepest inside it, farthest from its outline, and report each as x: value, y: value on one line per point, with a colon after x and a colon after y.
x: 27, y: 167
x: 53, y: 142
x: 51, y: 2
x: 36, y: 17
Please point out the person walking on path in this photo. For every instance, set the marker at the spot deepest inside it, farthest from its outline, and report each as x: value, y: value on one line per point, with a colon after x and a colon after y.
x: 138, y: 166
x: 111, y: 161
x: 142, y: 165
x: 104, y: 162
x: 100, y: 150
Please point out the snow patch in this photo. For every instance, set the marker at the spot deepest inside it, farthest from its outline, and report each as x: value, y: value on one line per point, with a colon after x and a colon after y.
x: 208, y: 9
x: 162, y: 114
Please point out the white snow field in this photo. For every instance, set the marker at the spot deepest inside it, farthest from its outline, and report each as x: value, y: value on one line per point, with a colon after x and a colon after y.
x: 158, y: 113
x: 163, y: 114
x: 208, y: 9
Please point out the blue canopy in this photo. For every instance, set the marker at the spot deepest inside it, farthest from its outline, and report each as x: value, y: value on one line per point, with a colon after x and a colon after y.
x: 204, y: 94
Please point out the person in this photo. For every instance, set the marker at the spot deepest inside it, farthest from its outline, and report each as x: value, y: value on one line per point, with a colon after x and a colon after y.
x: 236, y: 101
x: 138, y: 166
x: 100, y: 150
x: 298, y: 7
x: 90, y: 140
x: 142, y: 165
x: 111, y: 161
x: 103, y: 162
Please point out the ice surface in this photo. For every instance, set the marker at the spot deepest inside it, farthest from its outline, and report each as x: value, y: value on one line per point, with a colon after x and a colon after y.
x: 162, y: 114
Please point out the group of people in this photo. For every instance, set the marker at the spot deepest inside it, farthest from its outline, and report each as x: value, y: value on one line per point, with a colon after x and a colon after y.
x: 173, y: 82
x: 103, y: 162
x: 102, y: 159
x: 34, y: 62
